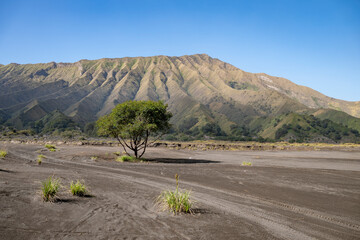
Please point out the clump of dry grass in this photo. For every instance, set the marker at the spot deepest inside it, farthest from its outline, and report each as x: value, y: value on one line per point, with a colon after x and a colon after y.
x: 49, y: 188
x: 127, y: 158
x: 3, y: 153
x: 176, y: 201
x: 244, y: 163
x: 51, y: 148
x: 78, y: 188
x: 40, y: 158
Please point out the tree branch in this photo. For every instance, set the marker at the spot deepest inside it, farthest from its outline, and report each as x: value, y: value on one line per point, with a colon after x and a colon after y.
x: 145, y: 141
x: 122, y: 145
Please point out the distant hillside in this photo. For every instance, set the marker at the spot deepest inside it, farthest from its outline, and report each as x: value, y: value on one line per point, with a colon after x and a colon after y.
x: 305, y: 128
x: 205, y: 95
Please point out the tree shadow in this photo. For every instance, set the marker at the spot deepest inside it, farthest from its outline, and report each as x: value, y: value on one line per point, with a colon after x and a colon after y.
x: 200, y: 211
x: 179, y: 160
x: 7, y: 171
x: 87, y: 196
x: 72, y: 200
x: 65, y: 200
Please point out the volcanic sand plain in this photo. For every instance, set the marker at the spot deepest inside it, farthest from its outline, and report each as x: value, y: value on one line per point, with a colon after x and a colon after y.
x: 283, y: 195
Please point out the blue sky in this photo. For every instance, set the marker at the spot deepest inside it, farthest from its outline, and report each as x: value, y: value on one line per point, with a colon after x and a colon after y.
x: 313, y: 43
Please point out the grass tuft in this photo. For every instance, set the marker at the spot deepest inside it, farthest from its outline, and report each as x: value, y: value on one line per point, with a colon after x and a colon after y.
x: 126, y: 158
x: 49, y: 188
x: 175, y: 201
x: 40, y: 158
x: 78, y: 188
x: 3, y: 153
x: 246, y: 163
x: 51, y: 148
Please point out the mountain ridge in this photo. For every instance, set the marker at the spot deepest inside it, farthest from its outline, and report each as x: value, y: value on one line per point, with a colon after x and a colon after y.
x: 192, y: 85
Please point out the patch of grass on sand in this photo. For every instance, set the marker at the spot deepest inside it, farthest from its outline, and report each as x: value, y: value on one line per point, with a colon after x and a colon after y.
x: 51, y: 148
x: 246, y: 163
x: 127, y: 158
x: 3, y: 153
x: 176, y: 201
x: 49, y: 188
x: 78, y: 188
x: 40, y: 158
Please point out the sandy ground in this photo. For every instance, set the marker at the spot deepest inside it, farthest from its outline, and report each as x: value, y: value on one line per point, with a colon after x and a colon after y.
x: 283, y: 195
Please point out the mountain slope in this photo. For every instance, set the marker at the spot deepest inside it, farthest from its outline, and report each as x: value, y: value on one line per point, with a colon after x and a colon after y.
x: 197, y: 86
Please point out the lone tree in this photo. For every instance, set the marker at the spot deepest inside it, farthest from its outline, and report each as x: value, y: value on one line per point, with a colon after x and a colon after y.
x: 133, y: 122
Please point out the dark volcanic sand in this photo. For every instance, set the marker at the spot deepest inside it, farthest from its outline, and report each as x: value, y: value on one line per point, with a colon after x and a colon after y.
x: 284, y: 195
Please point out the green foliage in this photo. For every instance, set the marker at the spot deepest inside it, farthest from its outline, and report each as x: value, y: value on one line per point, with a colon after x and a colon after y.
x: 49, y: 188
x: 78, y: 188
x: 339, y: 117
x: 212, y: 129
x: 187, y: 124
x: 176, y: 201
x: 70, y: 134
x: 40, y: 158
x: 127, y: 158
x: 243, y: 86
x: 244, y: 163
x: 51, y: 148
x: 304, y: 127
x: 136, y: 121
x: 3, y: 153
x: 57, y: 121
x: 90, y: 129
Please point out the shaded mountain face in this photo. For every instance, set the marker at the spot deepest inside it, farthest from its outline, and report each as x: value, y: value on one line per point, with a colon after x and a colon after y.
x: 198, y: 90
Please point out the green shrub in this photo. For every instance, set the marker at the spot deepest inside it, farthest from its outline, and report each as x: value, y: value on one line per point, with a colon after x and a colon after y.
x: 3, y: 153
x: 40, y: 158
x: 78, y: 188
x: 49, y: 188
x: 246, y: 163
x: 126, y: 158
x: 175, y: 201
x: 51, y: 148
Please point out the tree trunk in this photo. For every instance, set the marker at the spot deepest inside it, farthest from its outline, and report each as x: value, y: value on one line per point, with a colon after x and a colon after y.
x: 136, y: 152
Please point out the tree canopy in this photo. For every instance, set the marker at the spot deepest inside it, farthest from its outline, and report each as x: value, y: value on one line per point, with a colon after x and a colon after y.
x: 133, y: 122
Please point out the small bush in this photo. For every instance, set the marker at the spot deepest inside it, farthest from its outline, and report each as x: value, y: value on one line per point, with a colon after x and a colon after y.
x: 246, y: 163
x: 176, y: 201
x: 40, y: 158
x: 127, y: 158
x: 78, y: 188
x: 49, y: 188
x: 51, y: 148
x: 3, y: 153
x: 94, y: 158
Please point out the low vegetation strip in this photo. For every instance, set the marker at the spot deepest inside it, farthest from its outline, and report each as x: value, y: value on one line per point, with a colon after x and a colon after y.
x: 203, y: 145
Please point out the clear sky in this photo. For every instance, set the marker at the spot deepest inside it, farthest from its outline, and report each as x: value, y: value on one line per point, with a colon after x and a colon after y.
x: 315, y: 43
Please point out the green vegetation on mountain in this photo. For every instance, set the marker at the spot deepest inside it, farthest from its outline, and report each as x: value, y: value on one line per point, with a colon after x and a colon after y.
x: 307, y: 128
x: 338, y: 117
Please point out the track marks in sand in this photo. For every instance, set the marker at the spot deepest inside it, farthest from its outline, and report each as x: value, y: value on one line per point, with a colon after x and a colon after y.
x: 244, y: 206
